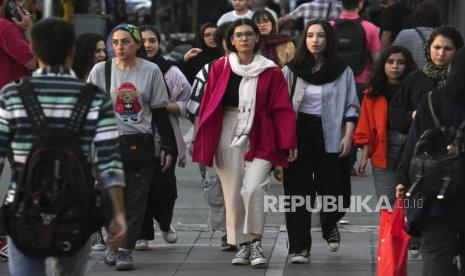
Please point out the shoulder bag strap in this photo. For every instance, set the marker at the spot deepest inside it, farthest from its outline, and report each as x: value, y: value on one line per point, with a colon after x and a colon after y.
x: 431, y: 109
x: 108, y: 76
x: 328, y: 12
x: 32, y: 105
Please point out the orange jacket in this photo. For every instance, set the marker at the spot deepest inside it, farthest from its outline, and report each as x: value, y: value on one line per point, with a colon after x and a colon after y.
x: 372, y: 129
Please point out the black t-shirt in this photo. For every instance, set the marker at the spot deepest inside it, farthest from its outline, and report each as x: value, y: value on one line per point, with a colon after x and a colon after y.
x: 231, y: 95
x: 390, y: 90
x: 392, y: 19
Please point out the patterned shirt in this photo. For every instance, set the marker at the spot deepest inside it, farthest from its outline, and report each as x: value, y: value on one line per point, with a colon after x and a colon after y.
x: 317, y: 9
x: 57, y: 89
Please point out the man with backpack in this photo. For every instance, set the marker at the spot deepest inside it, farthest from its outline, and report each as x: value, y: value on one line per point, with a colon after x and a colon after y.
x: 49, y: 123
x: 358, y: 43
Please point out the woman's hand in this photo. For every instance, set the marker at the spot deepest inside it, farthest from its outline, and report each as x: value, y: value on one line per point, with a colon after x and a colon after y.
x: 345, y: 146
x: 278, y: 173
x: 360, y: 166
x: 292, y: 155
x: 400, y: 191
x: 191, y: 54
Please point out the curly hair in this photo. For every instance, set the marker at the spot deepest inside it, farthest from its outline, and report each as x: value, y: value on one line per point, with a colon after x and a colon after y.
x: 86, y: 45
x: 379, y: 79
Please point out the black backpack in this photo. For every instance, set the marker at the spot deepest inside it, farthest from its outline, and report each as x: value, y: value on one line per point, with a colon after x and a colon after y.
x: 438, y: 164
x: 351, y: 43
x: 55, y: 208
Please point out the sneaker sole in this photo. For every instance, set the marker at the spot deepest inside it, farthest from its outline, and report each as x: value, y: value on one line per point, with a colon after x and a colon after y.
x: 240, y: 262
x: 301, y: 260
x: 259, y: 263
x: 141, y: 248
x: 124, y: 267
x: 99, y: 248
x: 110, y: 263
x: 332, y: 249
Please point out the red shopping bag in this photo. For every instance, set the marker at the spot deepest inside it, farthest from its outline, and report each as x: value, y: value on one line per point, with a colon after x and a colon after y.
x: 393, y: 242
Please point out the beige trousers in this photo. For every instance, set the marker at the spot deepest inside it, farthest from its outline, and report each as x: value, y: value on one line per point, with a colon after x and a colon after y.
x: 244, y: 185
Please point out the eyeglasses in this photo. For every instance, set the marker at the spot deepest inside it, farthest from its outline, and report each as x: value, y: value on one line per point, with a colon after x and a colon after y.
x: 247, y: 35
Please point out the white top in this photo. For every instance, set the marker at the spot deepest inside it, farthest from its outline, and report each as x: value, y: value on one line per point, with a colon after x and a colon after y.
x: 311, y: 101
x: 232, y: 16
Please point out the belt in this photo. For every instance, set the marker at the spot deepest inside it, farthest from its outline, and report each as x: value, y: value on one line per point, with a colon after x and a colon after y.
x: 142, y: 138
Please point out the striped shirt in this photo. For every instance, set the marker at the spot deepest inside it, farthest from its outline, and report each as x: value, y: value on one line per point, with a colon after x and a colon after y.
x: 57, y: 91
x: 197, y: 91
x: 339, y: 104
x: 318, y: 9
x: 410, y: 39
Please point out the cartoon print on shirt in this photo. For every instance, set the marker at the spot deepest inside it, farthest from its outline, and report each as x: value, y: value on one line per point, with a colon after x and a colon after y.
x: 127, y: 103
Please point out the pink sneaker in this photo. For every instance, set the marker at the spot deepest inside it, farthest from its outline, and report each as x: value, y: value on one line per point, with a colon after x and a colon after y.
x: 3, y: 248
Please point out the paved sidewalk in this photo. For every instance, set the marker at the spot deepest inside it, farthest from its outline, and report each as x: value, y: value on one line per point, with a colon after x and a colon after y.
x: 196, y: 254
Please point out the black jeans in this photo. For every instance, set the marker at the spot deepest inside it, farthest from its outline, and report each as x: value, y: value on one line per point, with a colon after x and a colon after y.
x: 162, y: 197
x: 314, y: 172
x: 440, y: 244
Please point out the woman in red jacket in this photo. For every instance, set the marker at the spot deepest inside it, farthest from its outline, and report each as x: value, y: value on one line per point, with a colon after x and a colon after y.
x: 247, y: 125
x: 374, y: 134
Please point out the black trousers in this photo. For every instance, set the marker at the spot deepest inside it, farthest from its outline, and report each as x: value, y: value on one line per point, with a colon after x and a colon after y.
x: 314, y: 172
x: 440, y: 245
x: 161, y: 200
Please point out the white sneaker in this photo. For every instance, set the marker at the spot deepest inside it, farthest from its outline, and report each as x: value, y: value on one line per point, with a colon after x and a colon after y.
x: 171, y: 236
x: 300, y: 258
x: 243, y: 256
x: 141, y: 245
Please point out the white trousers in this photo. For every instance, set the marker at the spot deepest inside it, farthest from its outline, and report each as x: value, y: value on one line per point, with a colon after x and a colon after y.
x: 244, y: 185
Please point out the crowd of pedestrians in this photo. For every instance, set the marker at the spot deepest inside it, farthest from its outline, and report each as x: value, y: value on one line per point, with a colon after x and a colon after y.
x: 261, y: 102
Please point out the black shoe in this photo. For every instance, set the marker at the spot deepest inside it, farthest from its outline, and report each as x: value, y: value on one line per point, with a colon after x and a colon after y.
x: 414, y: 248
x: 225, y: 246
x: 334, y: 239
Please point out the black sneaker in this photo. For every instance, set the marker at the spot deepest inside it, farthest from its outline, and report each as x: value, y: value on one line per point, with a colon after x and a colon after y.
x: 257, y: 259
x: 225, y: 246
x: 124, y: 260
x: 98, y: 244
x: 243, y: 256
x: 110, y: 257
x: 334, y: 239
x: 414, y: 248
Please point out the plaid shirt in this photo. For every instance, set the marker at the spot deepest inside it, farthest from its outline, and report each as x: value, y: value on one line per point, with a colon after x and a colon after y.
x: 317, y: 9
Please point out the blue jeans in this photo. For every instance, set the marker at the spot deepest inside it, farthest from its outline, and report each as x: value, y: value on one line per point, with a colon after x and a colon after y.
x: 22, y: 265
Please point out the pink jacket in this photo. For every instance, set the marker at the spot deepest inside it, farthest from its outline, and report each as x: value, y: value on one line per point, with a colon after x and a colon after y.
x: 273, y: 131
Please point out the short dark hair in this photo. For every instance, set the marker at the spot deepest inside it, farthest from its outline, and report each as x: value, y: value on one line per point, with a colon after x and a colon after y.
x: 237, y: 23
x: 350, y: 4
x: 52, y: 40
x: 303, y: 55
x: 447, y: 32
x: 220, y: 34
x: 379, y: 80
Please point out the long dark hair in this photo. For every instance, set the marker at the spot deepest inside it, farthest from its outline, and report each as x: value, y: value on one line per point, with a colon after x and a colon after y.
x: 379, y: 80
x: 303, y: 56
x: 86, y: 44
x: 158, y: 59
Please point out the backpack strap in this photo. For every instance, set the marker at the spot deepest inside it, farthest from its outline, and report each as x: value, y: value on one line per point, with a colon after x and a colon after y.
x: 431, y: 109
x: 32, y: 105
x: 108, y: 75
x: 80, y: 111
x: 328, y: 12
